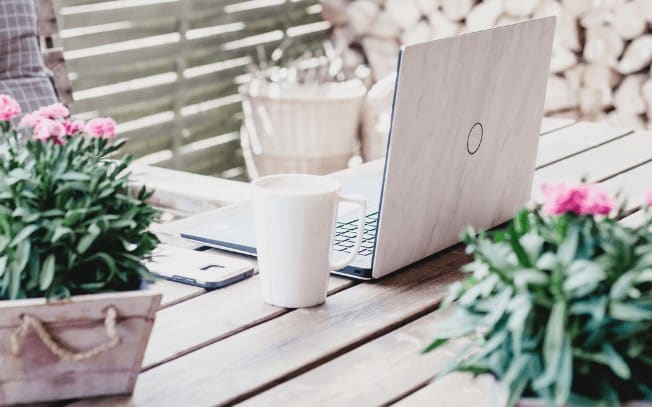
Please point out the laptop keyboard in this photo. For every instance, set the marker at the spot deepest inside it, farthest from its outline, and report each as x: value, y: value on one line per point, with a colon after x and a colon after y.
x: 345, y: 233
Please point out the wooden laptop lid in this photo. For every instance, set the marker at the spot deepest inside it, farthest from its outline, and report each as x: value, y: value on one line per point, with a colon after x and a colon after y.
x: 464, y: 138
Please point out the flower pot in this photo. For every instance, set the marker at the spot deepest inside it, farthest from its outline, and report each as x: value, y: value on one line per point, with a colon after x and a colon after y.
x: 89, y: 345
x: 300, y: 128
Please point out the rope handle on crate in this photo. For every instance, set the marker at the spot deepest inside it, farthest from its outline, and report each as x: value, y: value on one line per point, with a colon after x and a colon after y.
x: 65, y: 354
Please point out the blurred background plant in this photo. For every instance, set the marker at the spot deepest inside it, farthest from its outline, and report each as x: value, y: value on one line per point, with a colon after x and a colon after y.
x: 170, y: 70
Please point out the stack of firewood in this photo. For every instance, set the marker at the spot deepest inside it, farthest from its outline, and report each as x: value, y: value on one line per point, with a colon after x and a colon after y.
x: 600, y: 67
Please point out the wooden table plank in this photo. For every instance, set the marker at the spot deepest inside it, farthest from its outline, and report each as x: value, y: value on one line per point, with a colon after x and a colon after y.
x: 174, y: 293
x: 259, y: 357
x: 457, y: 390
x: 381, y: 370
x: 175, y: 333
x: 212, y: 317
x: 360, y: 377
x: 573, y: 139
x: 228, y: 345
x: 385, y: 369
x: 635, y: 220
x: 633, y: 185
x: 549, y: 124
x: 598, y: 163
x: 191, y: 193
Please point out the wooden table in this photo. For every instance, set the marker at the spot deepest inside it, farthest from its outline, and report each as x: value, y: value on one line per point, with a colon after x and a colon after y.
x: 362, y: 347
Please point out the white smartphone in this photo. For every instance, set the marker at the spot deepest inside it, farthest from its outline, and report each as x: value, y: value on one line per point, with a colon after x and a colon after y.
x: 205, y: 269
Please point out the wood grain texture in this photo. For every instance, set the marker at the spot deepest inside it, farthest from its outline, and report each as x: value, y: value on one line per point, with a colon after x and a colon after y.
x: 370, y: 375
x: 54, y: 61
x: 215, y: 351
x: 598, y: 163
x: 47, y: 18
x: 190, y: 193
x: 78, y: 324
x: 260, y: 357
x: 212, y: 317
x: 633, y: 185
x: 551, y: 124
x: 391, y: 367
x: 457, y: 390
x: 495, y: 78
x: 173, y: 293
x: 581, y: 136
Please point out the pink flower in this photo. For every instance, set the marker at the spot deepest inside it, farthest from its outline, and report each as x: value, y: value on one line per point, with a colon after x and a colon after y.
x: 648, y: 198
x: 73, y: 126
x: 598, y: 201
x: 55, y: 111
x: 101, y: 127
x: 49, y: 129
x: 30, y: 120
x: 9, y: 108
x: 582, y: 199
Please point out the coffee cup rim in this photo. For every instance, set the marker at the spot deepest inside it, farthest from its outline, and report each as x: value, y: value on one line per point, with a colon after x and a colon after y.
x: 333, y: 184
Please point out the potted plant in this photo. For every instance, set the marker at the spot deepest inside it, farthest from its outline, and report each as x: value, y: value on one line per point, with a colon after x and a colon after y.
x: 73, y: 320
x: 558, y: 306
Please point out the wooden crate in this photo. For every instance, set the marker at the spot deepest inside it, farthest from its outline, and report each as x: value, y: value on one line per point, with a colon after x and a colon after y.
x: 34, y: 373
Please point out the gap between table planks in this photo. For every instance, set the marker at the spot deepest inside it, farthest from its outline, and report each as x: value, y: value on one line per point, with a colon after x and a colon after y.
x: 385, y: 370
x: 208, y: 326
x: 268, y: 381
x: 564, y: 138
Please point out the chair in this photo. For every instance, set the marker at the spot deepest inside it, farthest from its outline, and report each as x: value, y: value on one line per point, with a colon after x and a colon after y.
x: 52, y: 55
x: 30, y: 64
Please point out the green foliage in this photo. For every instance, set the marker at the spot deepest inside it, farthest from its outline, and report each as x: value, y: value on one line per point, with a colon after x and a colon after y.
x: 68, y: 222
x: 558, y: 308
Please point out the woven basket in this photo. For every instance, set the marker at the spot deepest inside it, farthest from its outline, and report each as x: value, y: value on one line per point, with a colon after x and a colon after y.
x: 300, y: 128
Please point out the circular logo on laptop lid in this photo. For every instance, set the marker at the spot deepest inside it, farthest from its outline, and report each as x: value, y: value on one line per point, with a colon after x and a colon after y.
x: 474, y: 138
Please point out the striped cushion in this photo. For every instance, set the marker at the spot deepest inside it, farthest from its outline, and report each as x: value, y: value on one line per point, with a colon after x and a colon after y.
x: 22, y: 73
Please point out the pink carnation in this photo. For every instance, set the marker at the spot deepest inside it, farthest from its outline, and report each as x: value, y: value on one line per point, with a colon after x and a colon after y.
x: 30, y: 120
x: 9, y: 108
x: 55, y: 111
x: 73, y: 126
x: 582, y: 199
x: 101, y: 127
x: 47, y: 129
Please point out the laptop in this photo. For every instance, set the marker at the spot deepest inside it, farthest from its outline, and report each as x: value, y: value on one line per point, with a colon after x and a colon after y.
x: 461, y: 151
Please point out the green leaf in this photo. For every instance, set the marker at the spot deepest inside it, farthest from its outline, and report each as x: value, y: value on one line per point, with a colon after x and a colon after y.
x: 568, y: 247
x: 630, y: 311
x: 47, y: 272
x: 73, y: 216
x: 17, y: 267
x: 60, y: 232
x: 547, y: 261
x: 85, y: 242
x: 585, y: 275
x: 21, y: 257
x: 622, y: 286
x: 23, y: 234
x: 74, y: 176
x: 552, y: 344
x: 3, y: 265
x: 4, y: 241
x: 564, y: 378
x: 516, y: 369
x: 434, y: 345
x: 525, y: 277
x: 616, y: 362
x: 532, y: 243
